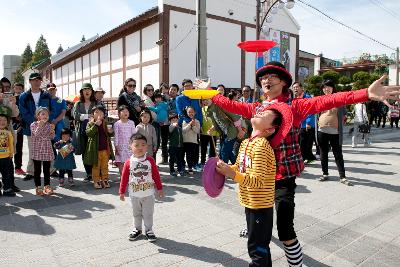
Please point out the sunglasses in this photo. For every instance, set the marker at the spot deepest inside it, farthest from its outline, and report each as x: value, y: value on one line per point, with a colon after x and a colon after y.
x: 131, y: 85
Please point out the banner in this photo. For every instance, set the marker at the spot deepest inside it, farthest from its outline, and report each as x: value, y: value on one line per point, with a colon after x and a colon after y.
x: 285, y: 50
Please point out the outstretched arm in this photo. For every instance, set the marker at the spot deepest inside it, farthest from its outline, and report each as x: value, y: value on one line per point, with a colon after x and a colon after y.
x: 247, y: 110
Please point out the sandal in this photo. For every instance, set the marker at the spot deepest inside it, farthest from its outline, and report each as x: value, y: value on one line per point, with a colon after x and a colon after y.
x: 39, y: 191
x: 106, y: 184
x: 97, y: 185
x: 48, y: 190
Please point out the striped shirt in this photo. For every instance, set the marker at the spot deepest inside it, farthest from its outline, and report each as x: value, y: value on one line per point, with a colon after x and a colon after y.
x: 255, y: 169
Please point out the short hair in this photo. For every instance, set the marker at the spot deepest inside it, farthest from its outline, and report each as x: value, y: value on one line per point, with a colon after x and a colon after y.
x: 297, y: 82
x: 329, y: 83
x: 157, y: 95
x: 221, y: 85
x: 5, y: 80
x: 137, y: 136
x: 186, y: 81
x: 175, y: 86
x: 98, y: 107
x: 66, y: 131
x: 277, y: 121
x: 5, y: 116
x: 172, y: 116
x: 146, y: 88
x: 19, y: 84
x: 247, y: 86
x: 164, y: 85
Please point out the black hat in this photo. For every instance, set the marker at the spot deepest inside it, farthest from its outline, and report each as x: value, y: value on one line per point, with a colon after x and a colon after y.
x: 35, y: 75
x: 274, y: 67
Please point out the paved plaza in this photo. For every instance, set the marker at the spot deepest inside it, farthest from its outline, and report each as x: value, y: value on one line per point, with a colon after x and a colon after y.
x: 336, y: 224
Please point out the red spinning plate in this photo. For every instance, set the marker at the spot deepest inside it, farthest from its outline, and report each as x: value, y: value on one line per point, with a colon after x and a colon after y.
x: 256, y: 45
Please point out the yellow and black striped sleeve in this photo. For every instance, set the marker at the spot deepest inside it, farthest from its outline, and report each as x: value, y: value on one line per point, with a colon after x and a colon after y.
x: 263, y: 166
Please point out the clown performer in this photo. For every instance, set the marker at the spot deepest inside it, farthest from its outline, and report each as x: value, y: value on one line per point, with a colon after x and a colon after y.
x: 275, y: 81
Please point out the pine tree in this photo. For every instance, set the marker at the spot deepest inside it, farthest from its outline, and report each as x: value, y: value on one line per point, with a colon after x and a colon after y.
x: 41, y: 51
x: 83, y: 38
x: 18, y: 78
x: 59, y: 49
x: 26, y: 58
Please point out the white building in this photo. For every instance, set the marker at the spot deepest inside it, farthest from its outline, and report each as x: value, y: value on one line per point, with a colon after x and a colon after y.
x: 11, y: 64
x: 160, y: 46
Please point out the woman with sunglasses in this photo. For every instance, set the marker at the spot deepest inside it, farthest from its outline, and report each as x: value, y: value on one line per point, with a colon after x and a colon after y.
x: 129, y: 98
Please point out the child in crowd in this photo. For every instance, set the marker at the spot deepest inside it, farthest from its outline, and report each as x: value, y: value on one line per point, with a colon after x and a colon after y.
x: 42, y: 132
x: 175, y: 146
x: 191, y: 130
x: 98, y: 148
x: 173, y: 93
x: 254, y: 171
x: 394, y: 114
x: 6, y: 154
x: 147, y: 130
x: 123, y: 130
x: 65, y: 160
x: 141, y: 173
x: 161, y: 109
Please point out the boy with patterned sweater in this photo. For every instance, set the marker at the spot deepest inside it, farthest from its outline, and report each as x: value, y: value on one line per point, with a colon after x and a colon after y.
x: 141, y: 172
x: 255, y: 171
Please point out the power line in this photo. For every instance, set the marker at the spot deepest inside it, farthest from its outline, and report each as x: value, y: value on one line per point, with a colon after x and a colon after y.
x: 344, y: 25
x: 384, y: 8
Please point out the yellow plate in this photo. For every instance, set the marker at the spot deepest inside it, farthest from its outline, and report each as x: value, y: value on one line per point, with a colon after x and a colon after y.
x: 200, y: 93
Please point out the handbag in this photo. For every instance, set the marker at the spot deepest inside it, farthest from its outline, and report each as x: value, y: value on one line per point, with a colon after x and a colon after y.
x: 365, y: 127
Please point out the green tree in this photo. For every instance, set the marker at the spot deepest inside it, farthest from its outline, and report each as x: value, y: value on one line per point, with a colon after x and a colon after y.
x: 59, y: 49
x: 361, y: 80
x: 26, y: 58
x: 344, y: 83
x: 18, y: 78
x: 331, y: 75
x: 42, y: 51
x: 313, y: 84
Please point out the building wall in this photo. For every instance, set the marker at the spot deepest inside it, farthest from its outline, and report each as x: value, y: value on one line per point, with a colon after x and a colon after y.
x: 11, y: 64
x: 243, y: 11
x: 104, y: 66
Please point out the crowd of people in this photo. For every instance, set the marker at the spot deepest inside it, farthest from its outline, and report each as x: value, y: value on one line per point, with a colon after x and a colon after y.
x: 267, y: 142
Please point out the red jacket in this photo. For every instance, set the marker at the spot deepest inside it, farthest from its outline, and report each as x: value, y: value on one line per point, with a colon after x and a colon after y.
x: 289, y: 162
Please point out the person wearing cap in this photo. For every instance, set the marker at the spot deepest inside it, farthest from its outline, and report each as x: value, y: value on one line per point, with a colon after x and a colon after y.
x: 275, y: 81
x: 82, y: 113
x: 255, y: 171
x: 29, y: 101
x: 59, y: 107
x: 99, y: 95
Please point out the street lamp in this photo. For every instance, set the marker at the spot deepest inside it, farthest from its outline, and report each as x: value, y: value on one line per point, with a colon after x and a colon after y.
x: 271, y: 9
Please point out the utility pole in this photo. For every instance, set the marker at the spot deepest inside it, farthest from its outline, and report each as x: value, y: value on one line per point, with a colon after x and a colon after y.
x: 397, y: 66
x: 201, y: 64
x: 258, y: 11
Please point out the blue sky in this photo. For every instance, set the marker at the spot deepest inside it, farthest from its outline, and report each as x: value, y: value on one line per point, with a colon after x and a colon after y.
x: 64, y: 22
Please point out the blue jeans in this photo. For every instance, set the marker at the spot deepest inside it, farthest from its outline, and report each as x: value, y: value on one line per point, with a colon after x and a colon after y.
x: 227, y: 153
